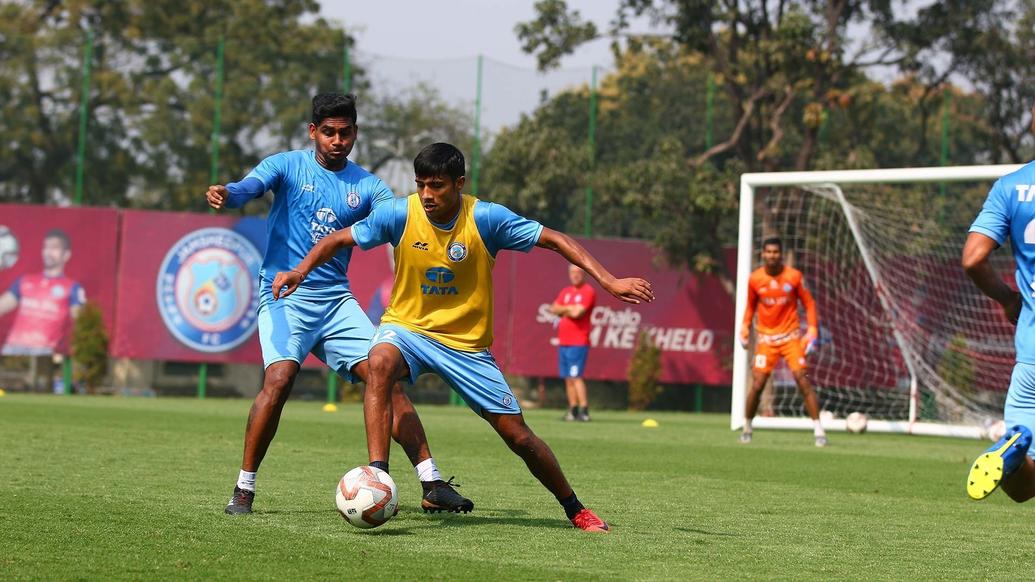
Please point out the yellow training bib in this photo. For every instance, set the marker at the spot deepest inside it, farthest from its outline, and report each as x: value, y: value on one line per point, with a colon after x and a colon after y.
x: 443, y: 279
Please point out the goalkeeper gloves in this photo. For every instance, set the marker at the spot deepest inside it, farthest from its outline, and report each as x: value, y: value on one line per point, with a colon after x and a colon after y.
x: 809, y: 341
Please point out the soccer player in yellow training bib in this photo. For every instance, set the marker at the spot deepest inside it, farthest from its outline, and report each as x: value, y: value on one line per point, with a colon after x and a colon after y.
x: 440, y: 316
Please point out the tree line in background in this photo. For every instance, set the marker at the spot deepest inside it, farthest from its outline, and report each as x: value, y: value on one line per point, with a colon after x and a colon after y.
x: 800, y: 85
x: 151, y: 99
x: 804, y: 85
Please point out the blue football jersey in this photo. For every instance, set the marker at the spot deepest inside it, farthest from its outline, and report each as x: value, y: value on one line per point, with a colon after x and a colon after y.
x: 310, y: 202
x: 1009, y: 213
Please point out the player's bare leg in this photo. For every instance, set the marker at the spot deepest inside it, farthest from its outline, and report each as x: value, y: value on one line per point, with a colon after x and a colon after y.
x: 264, y: 416
x: 543, y: 465
x: 573, y: 400
x: 263, y: 420
x: 1020, y: 485
x: 758, y: 380
x: 408, y: 431
x: 386, y: 367
x: 580, y: 398
x: 808, y: 393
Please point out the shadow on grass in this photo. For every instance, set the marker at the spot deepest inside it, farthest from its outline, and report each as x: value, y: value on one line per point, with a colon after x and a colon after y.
x: 387, y: 531
x: 707, y: 533
x: 512, y: 517
x: 291, y: 511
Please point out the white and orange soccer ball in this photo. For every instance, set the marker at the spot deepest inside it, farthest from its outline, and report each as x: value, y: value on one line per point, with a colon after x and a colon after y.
x: 367, y: 497
x: 995, y: 430
x: 856, y: 422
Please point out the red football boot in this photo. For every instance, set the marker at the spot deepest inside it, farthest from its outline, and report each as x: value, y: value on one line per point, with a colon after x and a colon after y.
x: 586, y: 520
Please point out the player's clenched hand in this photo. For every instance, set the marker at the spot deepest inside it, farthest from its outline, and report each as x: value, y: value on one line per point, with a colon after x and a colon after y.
x: 286, y: 282
x: 631, y: 290
x: 1012, y: 308
x: 745, y: 336
x: 216, y: 196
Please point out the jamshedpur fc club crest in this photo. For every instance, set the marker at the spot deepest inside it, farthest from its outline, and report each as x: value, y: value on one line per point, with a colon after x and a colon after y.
x: 207, y: 289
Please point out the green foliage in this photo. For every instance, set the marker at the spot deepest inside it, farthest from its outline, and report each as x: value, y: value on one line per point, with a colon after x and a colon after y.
x: 790, y: 97
x: 90, y: 346
x: 151, y: 100
x: 539, y: 35
x: 395, y: 127
x: 644, y: 369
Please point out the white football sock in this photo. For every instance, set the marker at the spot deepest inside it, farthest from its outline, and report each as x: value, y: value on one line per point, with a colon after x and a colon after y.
x: 747, y: 425
x: 427, y: 471
x: 818, y: 431
x: 246, y: 480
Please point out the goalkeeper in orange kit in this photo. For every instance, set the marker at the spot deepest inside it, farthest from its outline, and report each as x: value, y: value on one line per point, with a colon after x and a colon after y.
x: 774, y: 290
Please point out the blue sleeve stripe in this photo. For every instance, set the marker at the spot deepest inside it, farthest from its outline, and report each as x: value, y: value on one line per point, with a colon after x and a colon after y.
x: 401, y: 207
x: 481, y: 221
x: 243, y: 191
x: 535, y: 239
x: 997, y: 237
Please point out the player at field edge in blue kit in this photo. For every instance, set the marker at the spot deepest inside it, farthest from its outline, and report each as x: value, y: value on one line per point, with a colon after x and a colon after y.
x: 440, y: 316
x: 316, y: 193
x: 1009, y: 214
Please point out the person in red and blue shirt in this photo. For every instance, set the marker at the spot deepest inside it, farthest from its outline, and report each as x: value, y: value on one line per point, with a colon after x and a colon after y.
x: 46, y: 302
x: 574, y: 304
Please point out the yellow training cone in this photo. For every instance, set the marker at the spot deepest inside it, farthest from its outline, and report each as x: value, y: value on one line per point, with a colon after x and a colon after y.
x: 2, y: 393
x: 649, y: 423
x: 330, y: 407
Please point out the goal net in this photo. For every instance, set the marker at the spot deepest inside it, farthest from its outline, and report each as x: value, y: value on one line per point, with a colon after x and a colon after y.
x: 905, y: 337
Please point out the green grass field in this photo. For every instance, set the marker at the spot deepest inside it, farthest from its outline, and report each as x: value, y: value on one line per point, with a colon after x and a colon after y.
x: 112, y: 488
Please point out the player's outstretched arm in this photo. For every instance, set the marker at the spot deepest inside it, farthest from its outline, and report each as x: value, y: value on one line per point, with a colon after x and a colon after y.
x: 234, y: 194
x: 975, y: 262
x: 286, y: 282
x: 630, y: 290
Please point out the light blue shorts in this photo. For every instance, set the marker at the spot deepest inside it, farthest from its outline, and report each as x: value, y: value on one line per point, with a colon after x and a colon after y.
x: 1020, y: 400
x: 571, y: 360
x: 327, y: 322
x: 473, y: 375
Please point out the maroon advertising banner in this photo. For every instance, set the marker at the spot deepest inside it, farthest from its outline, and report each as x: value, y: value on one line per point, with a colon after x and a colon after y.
x: 188, y: 287
x: 53, y: 260
x: 187, y: 290
x: 690, y: 319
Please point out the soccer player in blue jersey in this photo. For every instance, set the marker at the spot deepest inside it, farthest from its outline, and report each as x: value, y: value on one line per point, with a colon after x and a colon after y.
x: 440, y: 315
x: 316, y: 193
x: 1009, y: 214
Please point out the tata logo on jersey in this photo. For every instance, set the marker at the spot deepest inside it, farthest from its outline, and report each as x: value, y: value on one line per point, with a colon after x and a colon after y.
x: 440, y: 277
x: 1025, y: 192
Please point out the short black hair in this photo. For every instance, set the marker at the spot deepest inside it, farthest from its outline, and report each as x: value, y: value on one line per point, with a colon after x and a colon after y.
x: 327, y: 105
x: 772, y: 241
x: 439, y: 159
x: 61, y: 236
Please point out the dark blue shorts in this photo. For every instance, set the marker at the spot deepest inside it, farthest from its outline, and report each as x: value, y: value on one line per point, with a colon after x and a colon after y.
x: 572, y: 360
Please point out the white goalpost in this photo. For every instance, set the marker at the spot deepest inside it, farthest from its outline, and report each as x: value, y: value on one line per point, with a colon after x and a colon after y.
x: 905, y: 337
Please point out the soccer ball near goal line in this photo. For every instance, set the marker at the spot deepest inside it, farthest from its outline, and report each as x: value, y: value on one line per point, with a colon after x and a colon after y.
x: 995, y: 430
x: 856, y: 422
x: 367, y: 497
